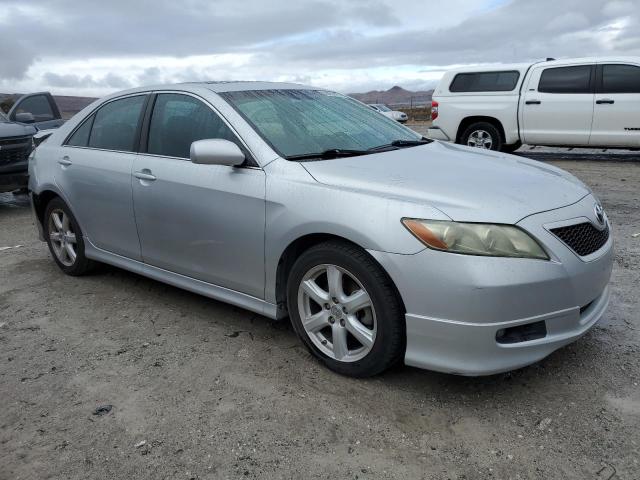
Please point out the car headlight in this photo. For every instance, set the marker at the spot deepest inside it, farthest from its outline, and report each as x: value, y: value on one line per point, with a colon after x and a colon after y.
x: 475, y: 238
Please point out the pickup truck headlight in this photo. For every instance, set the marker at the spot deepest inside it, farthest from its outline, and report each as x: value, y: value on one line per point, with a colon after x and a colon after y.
x: 475, y: 238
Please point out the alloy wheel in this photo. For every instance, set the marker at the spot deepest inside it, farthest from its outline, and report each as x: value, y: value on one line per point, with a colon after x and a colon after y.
x: 480, y: 139
x: 63, y: 238
x: 337, y: 313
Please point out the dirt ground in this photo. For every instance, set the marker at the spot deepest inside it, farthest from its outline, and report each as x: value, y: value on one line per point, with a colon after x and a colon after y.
x: 203, y: 390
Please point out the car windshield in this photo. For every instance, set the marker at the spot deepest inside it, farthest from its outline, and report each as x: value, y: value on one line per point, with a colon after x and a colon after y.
x: 3, y: 117
x: 383, y: 108
x: 300, y: 123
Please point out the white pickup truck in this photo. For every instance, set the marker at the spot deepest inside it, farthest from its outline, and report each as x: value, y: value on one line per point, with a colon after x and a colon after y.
x: 587, y: 102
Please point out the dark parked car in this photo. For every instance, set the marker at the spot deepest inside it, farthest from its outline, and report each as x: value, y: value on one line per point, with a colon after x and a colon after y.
x: 24, y: 118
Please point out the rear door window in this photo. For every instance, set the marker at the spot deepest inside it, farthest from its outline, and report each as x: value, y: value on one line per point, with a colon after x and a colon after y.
x: 179, y: 120
x: 485, y: 82
x: 80, y: 137
x: 620, y: 79
x: 116, y: 123
x: 566, y: 80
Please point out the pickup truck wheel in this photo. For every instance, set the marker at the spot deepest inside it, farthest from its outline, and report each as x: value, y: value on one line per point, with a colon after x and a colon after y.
x: 482, y: 135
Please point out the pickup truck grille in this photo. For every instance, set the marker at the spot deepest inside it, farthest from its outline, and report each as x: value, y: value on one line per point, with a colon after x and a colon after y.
x: 14, y: 150
x: 582, y: 238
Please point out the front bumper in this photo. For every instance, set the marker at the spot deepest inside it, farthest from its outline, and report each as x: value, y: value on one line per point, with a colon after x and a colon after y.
x: 457, y: 304
x: 13, y: 181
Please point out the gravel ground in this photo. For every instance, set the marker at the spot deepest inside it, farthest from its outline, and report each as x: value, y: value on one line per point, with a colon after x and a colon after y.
x: 203, y: 390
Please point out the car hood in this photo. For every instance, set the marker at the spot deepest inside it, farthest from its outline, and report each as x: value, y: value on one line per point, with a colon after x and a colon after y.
x: 465, y: 184
x: 15, y: 130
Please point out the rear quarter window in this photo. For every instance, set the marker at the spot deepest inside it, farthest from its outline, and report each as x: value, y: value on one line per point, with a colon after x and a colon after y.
x: 485, y: 82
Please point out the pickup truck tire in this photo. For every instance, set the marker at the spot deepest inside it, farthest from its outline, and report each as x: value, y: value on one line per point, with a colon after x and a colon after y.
x: 483, y: 135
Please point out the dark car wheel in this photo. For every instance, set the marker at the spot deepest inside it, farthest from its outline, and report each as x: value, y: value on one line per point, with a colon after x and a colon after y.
x: 482, y: 135
x: 346, y: 310
x: 65, y: 240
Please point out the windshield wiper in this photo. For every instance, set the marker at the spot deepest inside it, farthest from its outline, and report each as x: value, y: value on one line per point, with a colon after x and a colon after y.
x: 331, y: 153
x: 400, y: 144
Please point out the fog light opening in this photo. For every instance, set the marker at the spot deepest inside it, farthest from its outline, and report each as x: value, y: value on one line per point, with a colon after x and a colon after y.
x: 522, y: 333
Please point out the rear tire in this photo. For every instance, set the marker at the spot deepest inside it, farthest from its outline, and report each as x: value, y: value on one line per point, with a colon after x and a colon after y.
x: 482, y: 135
x: 346, y: 310
x: 64, y: 237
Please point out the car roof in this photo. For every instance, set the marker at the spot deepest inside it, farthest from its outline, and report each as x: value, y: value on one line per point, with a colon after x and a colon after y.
x: 216, y: 86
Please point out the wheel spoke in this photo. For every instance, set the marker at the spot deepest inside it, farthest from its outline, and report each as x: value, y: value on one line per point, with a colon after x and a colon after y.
x: 316, y: 293
x: 316, y: 322
x: 71, y: 253
x: 339, y: 341
x: 71, y: 237
x: 357, y: 301
x: 361, y: 333
x: 334, y: 279
x: 57, y: 221
x: 65, y: 222
x: 55, y: 237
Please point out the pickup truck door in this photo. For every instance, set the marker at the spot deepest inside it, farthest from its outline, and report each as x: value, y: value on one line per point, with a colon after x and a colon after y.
x: 557, y: 105
x: 616, y: 119
x: 37, y: 109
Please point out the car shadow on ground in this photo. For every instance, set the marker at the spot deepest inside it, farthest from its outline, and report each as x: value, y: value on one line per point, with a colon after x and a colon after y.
x: 560, y: 368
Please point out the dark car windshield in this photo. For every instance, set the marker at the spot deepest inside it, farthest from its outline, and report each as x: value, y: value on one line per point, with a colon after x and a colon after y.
x: 304, y: 122
x: 3, y: 117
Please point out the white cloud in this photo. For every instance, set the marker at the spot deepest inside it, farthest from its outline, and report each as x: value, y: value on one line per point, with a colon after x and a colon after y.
x: 94, y: 47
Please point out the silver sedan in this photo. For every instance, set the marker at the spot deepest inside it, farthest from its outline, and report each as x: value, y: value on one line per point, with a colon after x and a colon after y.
x: 293, y: 201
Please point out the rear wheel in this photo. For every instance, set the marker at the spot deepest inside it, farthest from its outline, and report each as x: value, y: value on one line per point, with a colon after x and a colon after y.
x: 346, y: 310
x: 483, y: 135
x: 65, y: 240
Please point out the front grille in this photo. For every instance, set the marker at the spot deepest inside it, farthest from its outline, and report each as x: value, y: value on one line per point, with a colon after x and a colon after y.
x: 14, y: 150
x: 13, y: 141
x: 583, y: 238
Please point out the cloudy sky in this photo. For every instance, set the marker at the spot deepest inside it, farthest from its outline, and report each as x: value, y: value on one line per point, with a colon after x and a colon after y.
x: 92, y: 47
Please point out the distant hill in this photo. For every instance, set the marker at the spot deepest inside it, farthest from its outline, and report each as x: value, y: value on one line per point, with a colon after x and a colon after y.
x: 396, y: 96
x: 68, y: 105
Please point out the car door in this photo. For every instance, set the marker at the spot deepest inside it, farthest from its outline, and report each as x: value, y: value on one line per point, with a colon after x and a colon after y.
x: 616, y: 119
x: 203, y: 221
x: 557, y: 105
x: 94, y: 172
x: 40, y: 109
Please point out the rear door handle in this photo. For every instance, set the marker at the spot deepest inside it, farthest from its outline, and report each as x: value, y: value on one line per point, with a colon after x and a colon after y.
x: 605, y: 101
x: 65, y: 161
x: 145, y: 175
x: 533, y: 102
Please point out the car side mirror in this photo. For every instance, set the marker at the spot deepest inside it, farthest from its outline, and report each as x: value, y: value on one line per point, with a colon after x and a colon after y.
x: 25, y: 117
x: 216, y: 152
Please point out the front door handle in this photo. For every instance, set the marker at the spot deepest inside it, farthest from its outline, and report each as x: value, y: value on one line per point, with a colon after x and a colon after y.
x: 65, y: 161
x: 605, y: 101
x: 533, y: 102
x: 145, y: 175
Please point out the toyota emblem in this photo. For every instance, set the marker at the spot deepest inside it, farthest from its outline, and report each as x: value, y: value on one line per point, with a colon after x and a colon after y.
x: 599, y: 211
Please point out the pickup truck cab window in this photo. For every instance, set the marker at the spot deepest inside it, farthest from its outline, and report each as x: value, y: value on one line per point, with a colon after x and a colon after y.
x: 573, y: 79
x: 618, y: 78
x: 38, y: 106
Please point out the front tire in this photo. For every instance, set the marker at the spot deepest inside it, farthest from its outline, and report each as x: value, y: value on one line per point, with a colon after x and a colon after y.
x: 483, y: 135
x: 65, y: 239
x: 346, y: 310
